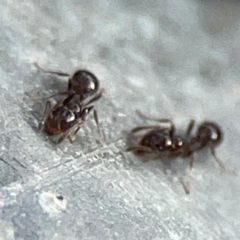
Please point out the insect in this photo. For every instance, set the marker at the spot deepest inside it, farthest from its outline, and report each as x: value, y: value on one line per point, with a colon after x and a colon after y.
x: 82, y: 82
x: 66, y: 117
x: 163, y: 142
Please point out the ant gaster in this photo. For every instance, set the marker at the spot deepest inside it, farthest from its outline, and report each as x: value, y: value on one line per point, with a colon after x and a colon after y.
x: 82, y: 82
x: 66, y: 117
x: 162, y: 142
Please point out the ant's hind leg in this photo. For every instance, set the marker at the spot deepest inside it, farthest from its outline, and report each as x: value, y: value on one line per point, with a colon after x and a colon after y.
x: 51, y: 72
x: 142, y: 128
x: 47, y: 112
x: 221, y: 164
x: 162, y: 121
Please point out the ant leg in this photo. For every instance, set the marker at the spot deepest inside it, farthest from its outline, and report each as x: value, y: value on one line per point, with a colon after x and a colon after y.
x: 69, y: 131
x: 97, y: 122
x: 141, y: 128
x: 140, y: 148
x: 162, y: 120
x: 51, y: 72
x: 191, y: 161
x: 56, y: 94
x: 186, y: 184
x: 97, y: 97
x: 72, y: 137
x: 221, y: 164
x: 186, y: 187
x: 150, y: 158
x: 47, y: 112
x: 189, y: 129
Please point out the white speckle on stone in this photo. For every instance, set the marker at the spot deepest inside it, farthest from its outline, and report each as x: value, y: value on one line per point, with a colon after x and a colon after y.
x: 51, y: 204
x: 136, y: 81
x: 147, y: 26
x: 6, y: 231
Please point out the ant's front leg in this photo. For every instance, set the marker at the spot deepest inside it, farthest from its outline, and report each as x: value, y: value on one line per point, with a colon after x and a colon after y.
x: 221, y: 164
x: 86, y: 111
x: 142, y: 128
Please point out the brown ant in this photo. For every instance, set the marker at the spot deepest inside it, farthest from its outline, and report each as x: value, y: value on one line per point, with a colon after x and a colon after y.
x: 82, y: 82
x: 67, y: 117
x: 69, y: 113
x: 162, y: 142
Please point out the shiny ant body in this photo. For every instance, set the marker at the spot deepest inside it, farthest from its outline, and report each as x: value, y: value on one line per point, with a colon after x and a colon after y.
x: 163, y: 142
x: 66, y: 117
x: 68, y: 114
x: 82, y: 83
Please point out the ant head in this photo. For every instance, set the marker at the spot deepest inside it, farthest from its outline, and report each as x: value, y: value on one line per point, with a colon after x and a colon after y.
x: 83, y: 83
x: 209, y: 132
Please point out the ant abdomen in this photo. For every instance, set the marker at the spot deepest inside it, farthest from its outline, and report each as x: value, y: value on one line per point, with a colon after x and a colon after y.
x: 83, y: 83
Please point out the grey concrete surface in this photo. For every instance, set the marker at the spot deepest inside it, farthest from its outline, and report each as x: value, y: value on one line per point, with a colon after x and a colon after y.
x: 170, y: 59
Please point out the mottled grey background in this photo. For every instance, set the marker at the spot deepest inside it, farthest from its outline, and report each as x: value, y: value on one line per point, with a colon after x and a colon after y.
x: 175, y: 59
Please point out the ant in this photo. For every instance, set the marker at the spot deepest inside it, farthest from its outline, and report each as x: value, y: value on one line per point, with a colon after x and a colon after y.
x: 67, y: 117
x: 82, y: 82
x: 162, y: 141
x: 69, y: 113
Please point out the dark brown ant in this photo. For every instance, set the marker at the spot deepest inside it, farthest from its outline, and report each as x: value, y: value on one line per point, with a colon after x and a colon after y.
x: 162, y: 141
x: 82, y: 82
x: 69, y: 113
x: 67, y: 117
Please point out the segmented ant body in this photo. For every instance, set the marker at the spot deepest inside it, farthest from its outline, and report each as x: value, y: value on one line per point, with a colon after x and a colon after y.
x: 69, y: 113
x: 66, y: 117
x: 163, y: 142
x: 160, y: 141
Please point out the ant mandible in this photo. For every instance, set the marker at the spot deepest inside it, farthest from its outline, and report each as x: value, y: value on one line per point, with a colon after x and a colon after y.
x: 162, y: 141
x: 66, y: 117
x: 82, y: 82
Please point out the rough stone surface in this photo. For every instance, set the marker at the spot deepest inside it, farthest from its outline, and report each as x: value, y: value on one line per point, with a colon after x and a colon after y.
x: 170, y: 59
